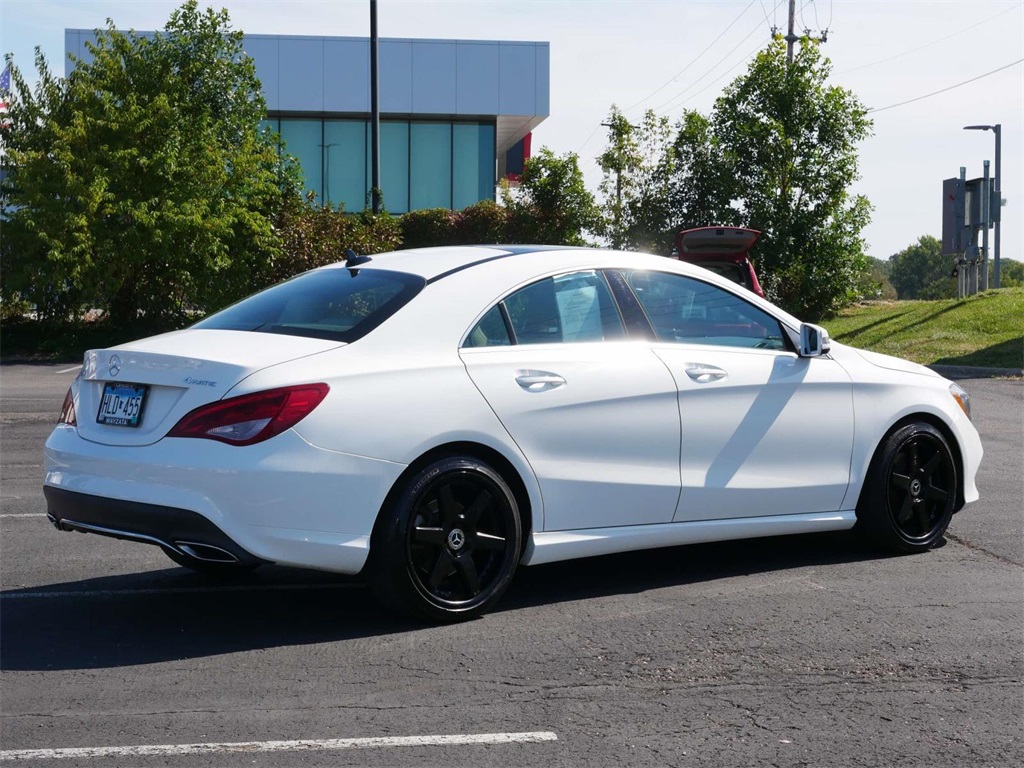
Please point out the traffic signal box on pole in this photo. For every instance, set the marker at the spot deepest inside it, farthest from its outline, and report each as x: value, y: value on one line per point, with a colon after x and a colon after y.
x: 967, y: 210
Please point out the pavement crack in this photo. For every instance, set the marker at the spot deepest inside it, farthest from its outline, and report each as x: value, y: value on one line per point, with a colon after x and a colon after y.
x: 975, y: 548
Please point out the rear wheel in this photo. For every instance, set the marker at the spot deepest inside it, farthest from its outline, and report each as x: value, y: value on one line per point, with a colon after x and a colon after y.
x: 911, y: 490
x: 450, y: 543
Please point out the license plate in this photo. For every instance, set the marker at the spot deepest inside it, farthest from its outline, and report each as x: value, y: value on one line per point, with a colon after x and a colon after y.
x: 121, y: 405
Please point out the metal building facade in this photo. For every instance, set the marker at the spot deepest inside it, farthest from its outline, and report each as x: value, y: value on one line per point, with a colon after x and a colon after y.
x: 450, y: 110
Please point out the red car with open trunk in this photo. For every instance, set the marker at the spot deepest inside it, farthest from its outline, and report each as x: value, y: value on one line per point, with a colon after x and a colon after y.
x: 723, y: 250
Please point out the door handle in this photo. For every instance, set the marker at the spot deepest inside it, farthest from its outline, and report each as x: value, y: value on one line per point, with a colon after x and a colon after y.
x: 539, y: 381
x: 703, y: 374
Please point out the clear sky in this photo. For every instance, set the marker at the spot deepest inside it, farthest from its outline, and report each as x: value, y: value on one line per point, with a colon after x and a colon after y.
x: 624, y: 51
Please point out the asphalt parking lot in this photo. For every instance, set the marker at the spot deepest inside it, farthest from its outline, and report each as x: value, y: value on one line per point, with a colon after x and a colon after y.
x: 810, y: 650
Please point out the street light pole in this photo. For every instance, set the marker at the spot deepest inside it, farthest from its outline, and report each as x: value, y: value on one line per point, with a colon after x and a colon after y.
x: 374, y: 114
x: 997, y: 129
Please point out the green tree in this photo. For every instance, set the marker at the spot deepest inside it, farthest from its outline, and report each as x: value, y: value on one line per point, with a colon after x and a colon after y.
x: 779, y: 153
x: 141, y: 183
x: 638, y: 165
x: 551, y: 204
x: 874, y: 284
x: 1011, y: 273
x: 920, y: 271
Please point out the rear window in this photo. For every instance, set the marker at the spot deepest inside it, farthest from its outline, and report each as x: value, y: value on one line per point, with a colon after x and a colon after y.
x: 333, y: 304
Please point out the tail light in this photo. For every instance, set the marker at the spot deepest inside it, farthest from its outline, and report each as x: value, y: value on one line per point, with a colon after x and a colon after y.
x: 253, y: 418
x: 67, y: 411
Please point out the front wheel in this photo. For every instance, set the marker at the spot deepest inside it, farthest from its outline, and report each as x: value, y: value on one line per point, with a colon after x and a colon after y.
x: 449, y: 543
x: 911, y: 490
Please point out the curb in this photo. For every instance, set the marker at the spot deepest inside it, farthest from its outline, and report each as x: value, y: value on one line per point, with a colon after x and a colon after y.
x: 972, y: 372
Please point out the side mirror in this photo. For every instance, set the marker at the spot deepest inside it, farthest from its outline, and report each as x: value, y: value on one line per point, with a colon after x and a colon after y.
x: 814, y: 340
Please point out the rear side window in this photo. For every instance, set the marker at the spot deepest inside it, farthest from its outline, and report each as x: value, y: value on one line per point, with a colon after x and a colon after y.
x: 577, y: 307
x: 334, y: 304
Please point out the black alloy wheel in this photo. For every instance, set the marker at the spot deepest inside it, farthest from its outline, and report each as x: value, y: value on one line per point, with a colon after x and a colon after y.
x: 912, y: 491
x: 452, y: 542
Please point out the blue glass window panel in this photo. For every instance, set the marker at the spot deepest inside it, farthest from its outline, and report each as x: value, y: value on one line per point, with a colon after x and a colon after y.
x: 345, y: 166
x: 394, y: 165
x: 430, y: 165
x: 472, y: 164
x: 302, y: 138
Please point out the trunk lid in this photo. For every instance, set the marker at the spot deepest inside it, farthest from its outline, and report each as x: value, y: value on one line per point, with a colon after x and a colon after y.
x: 715, y: 243
x: 180, y: 371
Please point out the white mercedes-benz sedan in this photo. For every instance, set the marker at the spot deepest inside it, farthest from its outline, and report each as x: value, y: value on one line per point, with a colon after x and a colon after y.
x: 436, y: 418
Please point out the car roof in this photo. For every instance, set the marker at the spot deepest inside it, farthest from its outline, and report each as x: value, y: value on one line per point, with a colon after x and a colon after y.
x: 434, y: 263
x: 513, y: 263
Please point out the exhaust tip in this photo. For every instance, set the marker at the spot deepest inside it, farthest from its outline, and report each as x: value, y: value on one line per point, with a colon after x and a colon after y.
x: 205, y: 552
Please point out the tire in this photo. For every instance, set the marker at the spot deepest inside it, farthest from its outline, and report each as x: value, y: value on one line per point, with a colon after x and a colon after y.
x: 448, y: 545
x: 911, y: 490
x: 206, y: 567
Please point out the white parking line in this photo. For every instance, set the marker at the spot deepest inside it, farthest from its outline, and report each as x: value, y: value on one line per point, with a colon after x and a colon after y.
x: 21, y: 514
x: 172, y: 590
x: 69, y: 370
x: 303, y: 745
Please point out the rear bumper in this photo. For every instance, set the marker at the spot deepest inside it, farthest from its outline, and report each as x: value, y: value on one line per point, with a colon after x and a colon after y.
x: 180, y: 529
x: 282, y: 501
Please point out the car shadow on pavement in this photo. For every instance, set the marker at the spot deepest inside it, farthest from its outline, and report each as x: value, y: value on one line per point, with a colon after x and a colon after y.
x: 157, y: 616
x: 641, y: 571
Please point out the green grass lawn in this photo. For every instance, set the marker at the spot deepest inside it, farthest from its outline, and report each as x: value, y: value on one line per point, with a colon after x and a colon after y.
x: 986, y: 330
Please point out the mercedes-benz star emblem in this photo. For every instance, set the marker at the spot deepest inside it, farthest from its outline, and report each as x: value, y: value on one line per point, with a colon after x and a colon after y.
x: 456, y: 539
x: 915, y: 488
x: 115, y: 365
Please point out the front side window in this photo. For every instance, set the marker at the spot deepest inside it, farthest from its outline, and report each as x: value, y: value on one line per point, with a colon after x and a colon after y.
x: 577, y: 307
x: 335, y: 304
x: 682, y: 309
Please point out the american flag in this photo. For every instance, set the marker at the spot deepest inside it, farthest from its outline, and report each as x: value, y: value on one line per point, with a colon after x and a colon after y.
x: 5, y: 88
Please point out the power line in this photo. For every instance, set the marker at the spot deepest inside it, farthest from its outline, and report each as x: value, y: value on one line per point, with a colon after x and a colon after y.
x: 802, y: 20
x: 733, y: 68
x: 684, y: 69
x: 694, y: 61
x: 688, y: 88
x: 957, y: 33
x: 584, y: 144
x: 950, y: 88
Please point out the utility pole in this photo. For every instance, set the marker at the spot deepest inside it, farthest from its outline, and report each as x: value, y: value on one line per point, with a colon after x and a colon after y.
x: 374, y: 113
x: 791, y: 37
x: 617, y: 234
x: 986, y: 217
x: 997, y: 129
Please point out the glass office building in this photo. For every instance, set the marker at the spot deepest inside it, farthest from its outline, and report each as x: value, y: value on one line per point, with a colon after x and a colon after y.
x: 423, y: 163
x: 451, y: 111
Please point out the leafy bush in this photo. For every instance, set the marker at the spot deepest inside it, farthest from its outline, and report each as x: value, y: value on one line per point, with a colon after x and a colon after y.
x: 551, y: 205
x: 313, y: 236
x: 429, y: 227
x: 483, y: 222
